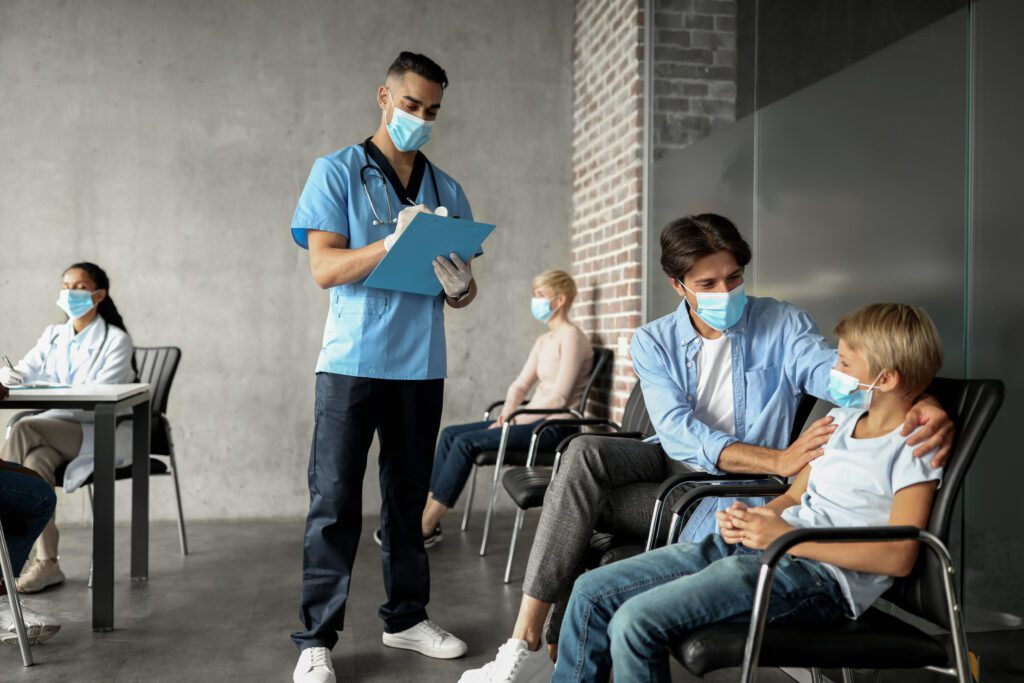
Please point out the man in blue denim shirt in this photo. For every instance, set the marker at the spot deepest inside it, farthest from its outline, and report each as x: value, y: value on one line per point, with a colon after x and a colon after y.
x: 721, y: 378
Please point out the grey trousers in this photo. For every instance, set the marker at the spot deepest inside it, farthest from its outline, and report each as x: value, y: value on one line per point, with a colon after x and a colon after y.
x: 602, y: 484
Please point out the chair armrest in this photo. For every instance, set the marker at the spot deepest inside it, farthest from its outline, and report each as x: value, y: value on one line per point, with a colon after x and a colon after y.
x: 490, y: 408
x: 541, y: 411
x: 671, y: 484
x: 755, y: 488
x: 573, y: 422
x: 856, y: 534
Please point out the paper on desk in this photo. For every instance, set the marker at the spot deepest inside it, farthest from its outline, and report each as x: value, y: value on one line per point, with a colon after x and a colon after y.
x: 40, y: 385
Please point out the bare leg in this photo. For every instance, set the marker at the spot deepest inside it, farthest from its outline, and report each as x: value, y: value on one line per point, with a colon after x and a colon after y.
x: 530, y: 621
x: 432, y: 515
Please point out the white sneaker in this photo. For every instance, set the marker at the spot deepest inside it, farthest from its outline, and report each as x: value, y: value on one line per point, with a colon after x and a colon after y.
x: 515, y: 663
x: 314, y: 666
x: 39, y: 575
x: 428, y: 639
x: 39, y: 627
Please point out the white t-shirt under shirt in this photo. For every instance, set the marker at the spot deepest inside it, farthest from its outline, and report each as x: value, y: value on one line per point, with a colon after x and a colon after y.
x: 853, y: 484
x: 713, y: 404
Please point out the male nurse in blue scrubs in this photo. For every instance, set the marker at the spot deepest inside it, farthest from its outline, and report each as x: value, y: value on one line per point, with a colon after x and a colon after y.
x: 381, y: 369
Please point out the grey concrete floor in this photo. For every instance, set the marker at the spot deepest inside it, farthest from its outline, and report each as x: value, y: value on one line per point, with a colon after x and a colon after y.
x: 224, y: 613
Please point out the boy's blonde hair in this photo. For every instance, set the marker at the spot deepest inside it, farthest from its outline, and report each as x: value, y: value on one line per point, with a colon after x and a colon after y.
x: 559, y: 282
x: 897, y: 337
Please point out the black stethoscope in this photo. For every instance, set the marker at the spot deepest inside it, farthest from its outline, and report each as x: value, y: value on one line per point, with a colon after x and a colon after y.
x: 95, y: 356
x: 372, y: 168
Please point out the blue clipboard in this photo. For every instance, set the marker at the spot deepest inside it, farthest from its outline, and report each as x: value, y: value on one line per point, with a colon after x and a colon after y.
x: 409, y: 266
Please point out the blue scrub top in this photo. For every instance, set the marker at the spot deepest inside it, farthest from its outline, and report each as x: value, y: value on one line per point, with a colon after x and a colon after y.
x: 374, y: 333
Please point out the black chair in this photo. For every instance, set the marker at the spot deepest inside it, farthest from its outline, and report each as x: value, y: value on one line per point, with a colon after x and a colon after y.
x: 877, y: 640
x: 527, y: 485
x: 157, y: 366
x: 504, y: 456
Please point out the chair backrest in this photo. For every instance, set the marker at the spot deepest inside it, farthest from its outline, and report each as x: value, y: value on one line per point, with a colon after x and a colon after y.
x: 972, y: 404
x: 157, y: 366
x: 803, y: 411
x: 602, y: 357
x: 634, y: 416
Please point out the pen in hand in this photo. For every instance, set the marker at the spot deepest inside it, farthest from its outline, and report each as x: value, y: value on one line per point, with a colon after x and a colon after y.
x: 8, y: 362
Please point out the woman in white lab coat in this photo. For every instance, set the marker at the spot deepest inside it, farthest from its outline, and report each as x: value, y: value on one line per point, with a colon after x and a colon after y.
x: 92, y: 347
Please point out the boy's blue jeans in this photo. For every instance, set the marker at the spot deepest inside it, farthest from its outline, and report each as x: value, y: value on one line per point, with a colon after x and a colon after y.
x: 460, y: 444
x: 26, y: 505
x: 627, y: 613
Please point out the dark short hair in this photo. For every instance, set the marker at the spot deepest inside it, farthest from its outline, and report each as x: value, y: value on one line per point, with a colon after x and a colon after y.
x: 686, y: 240
x: 421, y: 65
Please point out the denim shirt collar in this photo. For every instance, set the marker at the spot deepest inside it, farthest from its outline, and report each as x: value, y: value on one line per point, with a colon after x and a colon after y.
x: 688, y: 333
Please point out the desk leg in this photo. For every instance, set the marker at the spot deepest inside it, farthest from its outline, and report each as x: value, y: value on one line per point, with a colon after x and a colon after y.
x: 103, y: 521
x: 140, y: 491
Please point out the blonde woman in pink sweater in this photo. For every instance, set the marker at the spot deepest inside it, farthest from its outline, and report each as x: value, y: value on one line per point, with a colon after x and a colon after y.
x: 557, y: 368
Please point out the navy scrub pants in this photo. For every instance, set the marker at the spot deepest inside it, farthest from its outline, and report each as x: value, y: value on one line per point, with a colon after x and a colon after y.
x: 406, y: 415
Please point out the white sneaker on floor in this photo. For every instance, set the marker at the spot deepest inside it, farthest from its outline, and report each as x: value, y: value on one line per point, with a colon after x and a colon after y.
x: 515, y: 663
x: 39, y: 627
x: 39, y: 575
x: 428, y: 639
x: 314, y: 666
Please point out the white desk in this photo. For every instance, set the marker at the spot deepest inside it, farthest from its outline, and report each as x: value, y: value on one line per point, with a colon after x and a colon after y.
x: 106, y: 401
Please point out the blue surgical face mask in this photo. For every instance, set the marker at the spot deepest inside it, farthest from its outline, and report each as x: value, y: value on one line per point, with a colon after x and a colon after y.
x: 843, y: 390
x: 75, y: 302
x: 541, y: 309
x: 720, y: 311
x: 408, y: 132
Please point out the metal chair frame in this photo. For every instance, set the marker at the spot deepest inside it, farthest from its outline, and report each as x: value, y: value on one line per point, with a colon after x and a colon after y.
x: 15, y: 603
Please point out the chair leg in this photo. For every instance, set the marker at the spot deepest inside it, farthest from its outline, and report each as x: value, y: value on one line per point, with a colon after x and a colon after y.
x: 182, y: 538
x: 14, y: 601
x: 512, y: 545
x: 847, y: 675
x: 490, y: 512
x: 816, y: 676
x: 469, y: 499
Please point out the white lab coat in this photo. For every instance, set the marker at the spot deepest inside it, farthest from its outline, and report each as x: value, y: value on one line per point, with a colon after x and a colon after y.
x: 99, y: 354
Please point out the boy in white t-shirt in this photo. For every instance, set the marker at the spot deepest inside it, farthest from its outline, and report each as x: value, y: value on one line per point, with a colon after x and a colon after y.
x: 627, y: 613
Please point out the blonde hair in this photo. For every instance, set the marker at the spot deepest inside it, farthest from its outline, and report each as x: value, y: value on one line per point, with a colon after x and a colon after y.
x: 559, y: 282
x: 897, y: 337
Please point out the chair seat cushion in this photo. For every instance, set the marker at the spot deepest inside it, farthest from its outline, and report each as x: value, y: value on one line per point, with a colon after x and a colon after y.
x: 527, y: 485
x: 156, y: 467
x: 516, y: 458
x: 875, y: 641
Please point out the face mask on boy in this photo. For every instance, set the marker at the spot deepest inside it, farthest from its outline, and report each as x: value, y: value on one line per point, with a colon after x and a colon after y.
x: 843, y: 391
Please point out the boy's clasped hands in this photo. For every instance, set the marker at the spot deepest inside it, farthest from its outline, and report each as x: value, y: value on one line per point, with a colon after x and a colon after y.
x: 752, y: 527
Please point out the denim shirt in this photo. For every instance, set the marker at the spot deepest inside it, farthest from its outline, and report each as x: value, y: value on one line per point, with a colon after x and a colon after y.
x: 777, y: 355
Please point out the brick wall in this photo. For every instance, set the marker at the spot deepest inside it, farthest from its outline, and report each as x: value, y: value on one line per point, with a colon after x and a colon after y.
x: 694, y: 70
x: 607, y: 175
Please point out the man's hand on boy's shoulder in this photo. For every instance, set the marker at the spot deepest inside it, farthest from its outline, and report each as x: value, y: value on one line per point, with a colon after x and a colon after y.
x: 758, y: 526
x: 934, y: 430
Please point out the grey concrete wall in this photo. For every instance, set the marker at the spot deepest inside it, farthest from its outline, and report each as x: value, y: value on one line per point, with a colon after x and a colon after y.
x: 169, y: 141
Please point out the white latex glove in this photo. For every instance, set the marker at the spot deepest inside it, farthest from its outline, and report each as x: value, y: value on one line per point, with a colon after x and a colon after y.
x: 405, y: 217
x: 10, y: 378
x: 454, y: 275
